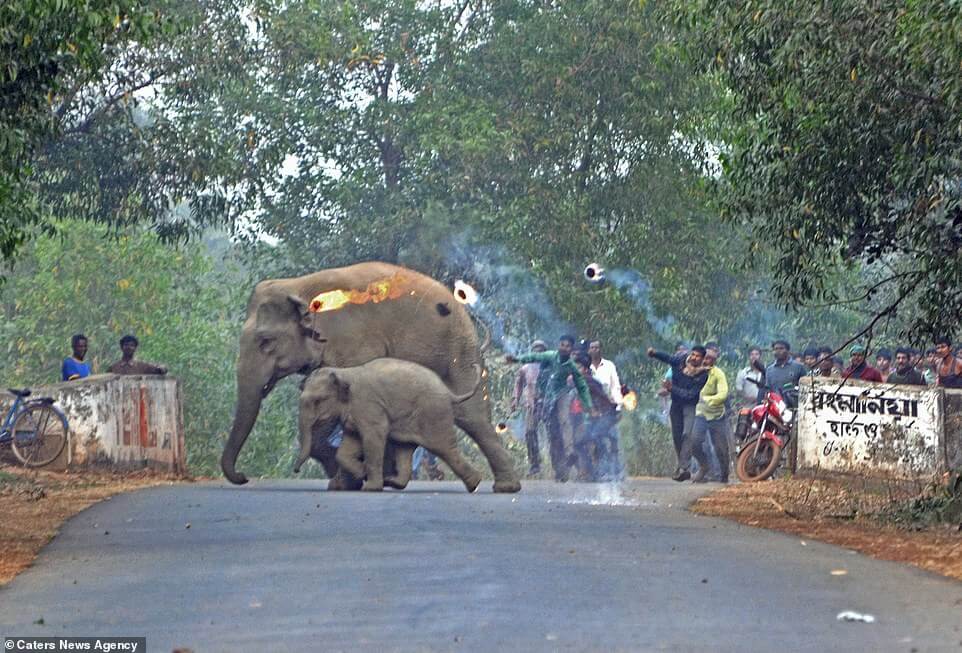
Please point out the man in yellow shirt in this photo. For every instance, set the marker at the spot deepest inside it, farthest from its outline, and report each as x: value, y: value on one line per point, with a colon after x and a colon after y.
x: 710, y: 420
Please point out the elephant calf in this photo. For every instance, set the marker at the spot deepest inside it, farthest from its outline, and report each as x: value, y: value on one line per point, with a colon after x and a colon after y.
x: 385, y: 397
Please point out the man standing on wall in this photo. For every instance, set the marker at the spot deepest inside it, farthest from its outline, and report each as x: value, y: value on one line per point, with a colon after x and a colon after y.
x: 527, y: 394
x: 883, y: 363
x: 74, y: 367
x: 905, y: 373
x: 127, y: 364
x: 559, y: 366
x: 948, y: 368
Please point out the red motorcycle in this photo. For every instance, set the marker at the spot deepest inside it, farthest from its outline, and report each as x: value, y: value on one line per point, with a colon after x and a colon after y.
x: 764, y: 431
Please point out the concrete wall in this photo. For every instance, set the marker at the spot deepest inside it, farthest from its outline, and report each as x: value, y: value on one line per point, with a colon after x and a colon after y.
x: 120, y: 421
x: 878, y: 428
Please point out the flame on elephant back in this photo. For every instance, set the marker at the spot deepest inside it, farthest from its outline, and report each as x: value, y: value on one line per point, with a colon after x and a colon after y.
x: 464, y: 293
x: 376, y: 291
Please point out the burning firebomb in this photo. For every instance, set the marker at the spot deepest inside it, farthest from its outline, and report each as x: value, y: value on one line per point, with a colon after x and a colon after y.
x: 376, y: 291
x: 594, y: 273
x: 464, y: 293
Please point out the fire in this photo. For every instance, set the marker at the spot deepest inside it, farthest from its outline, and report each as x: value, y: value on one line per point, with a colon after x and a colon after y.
x: 465, y: 293
x: 376, y: 291
x: 630, y: 401
x: 501, y: 427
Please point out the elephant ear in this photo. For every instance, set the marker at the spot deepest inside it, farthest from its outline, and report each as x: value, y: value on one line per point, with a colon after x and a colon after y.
x: 306, y: 318
x: 343, y: 388
x: 299, y: 305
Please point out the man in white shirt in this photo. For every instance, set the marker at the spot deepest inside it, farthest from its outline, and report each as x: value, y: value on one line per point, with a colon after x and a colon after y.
x: 747, y: 392
x: 605, y: 372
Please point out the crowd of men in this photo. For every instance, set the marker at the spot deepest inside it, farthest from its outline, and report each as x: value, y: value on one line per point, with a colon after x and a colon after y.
x: 76, y: 366
x: 697, y: 401
x: 576, y: 394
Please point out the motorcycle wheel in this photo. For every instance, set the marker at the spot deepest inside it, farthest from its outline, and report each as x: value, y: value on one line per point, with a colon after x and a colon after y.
x: 755, y: 466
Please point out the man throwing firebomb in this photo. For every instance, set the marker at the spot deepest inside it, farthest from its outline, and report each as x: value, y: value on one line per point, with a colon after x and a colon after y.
x: 557, y: 367
x: 688, y: 377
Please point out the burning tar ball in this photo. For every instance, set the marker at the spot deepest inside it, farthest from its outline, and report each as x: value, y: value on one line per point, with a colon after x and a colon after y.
x: 594, y: 273
x: 465, y: 293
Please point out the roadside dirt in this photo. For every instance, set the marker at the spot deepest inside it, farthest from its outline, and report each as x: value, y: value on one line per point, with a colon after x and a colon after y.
x: 33, y: 505
x: 841, y: 512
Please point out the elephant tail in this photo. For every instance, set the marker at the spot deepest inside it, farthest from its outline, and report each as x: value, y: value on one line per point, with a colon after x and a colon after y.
x: 459, y: 399
x: 486, y: 342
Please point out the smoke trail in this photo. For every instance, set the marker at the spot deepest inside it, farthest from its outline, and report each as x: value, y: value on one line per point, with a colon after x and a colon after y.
x: 511, y: 301
x: 639, y: 291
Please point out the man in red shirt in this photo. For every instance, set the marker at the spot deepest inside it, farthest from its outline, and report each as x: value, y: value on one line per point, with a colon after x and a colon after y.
x: 859, y: 369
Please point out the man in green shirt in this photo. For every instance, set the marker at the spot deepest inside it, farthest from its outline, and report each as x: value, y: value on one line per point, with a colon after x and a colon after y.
x: 556, y: 368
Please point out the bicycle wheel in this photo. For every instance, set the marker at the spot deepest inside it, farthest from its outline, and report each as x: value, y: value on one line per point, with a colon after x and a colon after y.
x: 39, y: 435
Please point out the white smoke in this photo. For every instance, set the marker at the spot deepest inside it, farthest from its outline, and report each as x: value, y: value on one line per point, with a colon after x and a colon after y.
x: 511, y: 301
x: 639, y: 291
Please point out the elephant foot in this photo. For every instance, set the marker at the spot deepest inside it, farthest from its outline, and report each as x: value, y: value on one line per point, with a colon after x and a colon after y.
x: 509, y: 486
x: 472, y: 483
x: 371, y: 487
x: 341, y: 484
x: 393, y: 482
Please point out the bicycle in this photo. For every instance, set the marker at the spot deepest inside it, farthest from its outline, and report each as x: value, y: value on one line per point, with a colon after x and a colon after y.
x: 35, y: 430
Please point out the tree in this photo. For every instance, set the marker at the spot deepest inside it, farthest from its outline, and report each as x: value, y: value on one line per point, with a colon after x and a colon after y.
x: 49, y: 48
x: 552, y: 133
x: 841, y: 134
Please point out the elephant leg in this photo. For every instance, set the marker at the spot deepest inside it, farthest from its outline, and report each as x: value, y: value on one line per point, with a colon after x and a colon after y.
x: 323, y: 452
x: 449, y: 453
x: 473, y: 418
x: 402, y: 464
x: 373, y: 443
x: 349, y: 456
x: 343, y: 479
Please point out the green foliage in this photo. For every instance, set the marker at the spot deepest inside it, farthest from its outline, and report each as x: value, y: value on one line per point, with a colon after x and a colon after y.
x: 839, y: 127
x: 49, y: 49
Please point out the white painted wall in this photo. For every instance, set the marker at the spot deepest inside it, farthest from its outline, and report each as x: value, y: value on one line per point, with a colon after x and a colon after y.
x: 124, y: 421
x: 870, y: 428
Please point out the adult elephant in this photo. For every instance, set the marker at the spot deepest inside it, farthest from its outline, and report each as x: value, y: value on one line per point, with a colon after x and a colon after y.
x: 415, y: 319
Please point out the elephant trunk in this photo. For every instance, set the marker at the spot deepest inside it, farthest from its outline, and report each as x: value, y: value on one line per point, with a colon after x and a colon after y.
x: 250, y: 391
x: 306, y: 427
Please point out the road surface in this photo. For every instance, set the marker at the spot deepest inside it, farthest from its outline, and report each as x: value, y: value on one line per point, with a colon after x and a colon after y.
x: 278, y: 566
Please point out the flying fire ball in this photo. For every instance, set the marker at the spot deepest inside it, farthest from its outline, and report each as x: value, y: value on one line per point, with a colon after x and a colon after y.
x: 630, y: 401
x: 594, y: 273
x: 501, y: 427
x: 464, y: 293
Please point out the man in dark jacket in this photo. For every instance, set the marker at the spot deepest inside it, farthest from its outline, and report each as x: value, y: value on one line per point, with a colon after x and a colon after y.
x: 688, y: 377
x: 905, y: 373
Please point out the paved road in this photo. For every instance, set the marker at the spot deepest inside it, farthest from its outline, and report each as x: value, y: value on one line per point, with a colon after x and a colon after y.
x: 285, y: 566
